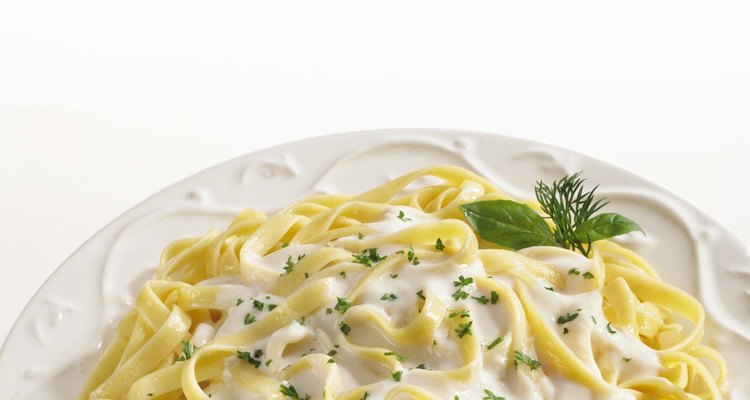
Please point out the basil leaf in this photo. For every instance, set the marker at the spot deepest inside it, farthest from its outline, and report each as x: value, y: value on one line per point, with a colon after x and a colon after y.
x: 605, y: 226
x: 508, y: 223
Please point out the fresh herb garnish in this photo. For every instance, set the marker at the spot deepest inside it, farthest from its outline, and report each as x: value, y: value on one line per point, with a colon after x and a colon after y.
x: 368, y: 257
x: 588, y: 275
x: 239, y: 301
x: 252, y: 359
x: 483, y: 299
x: 530, y: 362
x: 420, y: 294
x: 494, y: 343
x: 491, y: 396
x: 360, y: 236
x: 460, y: 294
x: 459, y: 313
x: 393, y: 276
x: 290, y: 391
x: 464, y: 329
x: 332, y: 353
x: 249, y: 319
x: 388, y: 297
x: 271, y: 306
x: 574, y: 271
x: 566, y: 318
x: 403, y: 216
x: 439, y: 244
x: 517, y: 226
x: 397, y: 376
x: 609, y: 328
x: 398, y: 357
x: 345, y: 328
x: 494, y: 297
x: 342, y: 304
x: 412, y: 257
x: 258, y: 304
x: 187, y: 351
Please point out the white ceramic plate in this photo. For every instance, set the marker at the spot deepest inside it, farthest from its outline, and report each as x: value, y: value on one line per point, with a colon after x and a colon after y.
x: 50, y: 350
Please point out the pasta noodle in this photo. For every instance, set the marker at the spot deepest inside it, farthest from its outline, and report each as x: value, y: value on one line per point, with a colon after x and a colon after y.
x: 391, y: 295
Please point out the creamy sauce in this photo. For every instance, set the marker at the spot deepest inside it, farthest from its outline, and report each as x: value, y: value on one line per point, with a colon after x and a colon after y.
x: 319, y: 334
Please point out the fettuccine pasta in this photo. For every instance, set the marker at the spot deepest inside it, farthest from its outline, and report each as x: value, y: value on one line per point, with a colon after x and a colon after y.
x: 390, y: 294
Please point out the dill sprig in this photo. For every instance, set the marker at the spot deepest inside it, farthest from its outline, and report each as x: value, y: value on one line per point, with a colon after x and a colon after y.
x: 568, y: 206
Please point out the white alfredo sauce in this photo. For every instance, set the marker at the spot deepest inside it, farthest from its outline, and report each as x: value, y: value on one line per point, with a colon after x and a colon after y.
x: 587, y: 334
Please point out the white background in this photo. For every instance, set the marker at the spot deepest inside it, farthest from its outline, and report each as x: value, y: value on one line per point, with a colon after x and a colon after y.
x: 103, y: 104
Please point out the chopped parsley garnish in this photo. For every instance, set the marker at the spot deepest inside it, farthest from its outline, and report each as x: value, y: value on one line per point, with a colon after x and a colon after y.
x: 342, y: 304
x: 588, y: 275
x: 491, y: 396
x: 394, y: 276
x: 593, y: 319
x: 252, y: 359
x: 388, y: 297
x: 439, y: 244
x: 565, y: 330
x: 271, y: 306
x: 566, y: 318
x: 397, y: 376
x: 365, y: 396
x: 411, y: 257
x: 574, y: 271
x: 550, y: 288
x: 149, y: 395
x: 329, y: 311
x: 360, y: 236
x: 332, y: 353
x: 343, y: 274
x: 187, y: 351
x: 609, y: 328
x: 626, y: 359
x: 290, y: 264
x: 283, y: 245
x: 290, y: 391
x: 258, y: 304
x: 239, y: 301
x: 464, y: 329
x: 420, y: 294
x: 420, y: 366
x: 483, y: 299
x: 331, y: 361
x: 249, y: 319
x: 530, y: 362
x: 459, y: 313
x: 494, y: 343
x: 460, y: 294
x: 345, y: 328
x: 398, y: 357
x: 403, y: 216
x: 368, y: 257
x: 301, y: 320
x: 494, y: 297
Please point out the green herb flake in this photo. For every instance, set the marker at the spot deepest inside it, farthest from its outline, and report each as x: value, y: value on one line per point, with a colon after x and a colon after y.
x: 403, y: 216
x: 398, y: 357
x: 568, y: 317
x: 360, y: 236
x: 459, y: 313
x: 345, y: 328
x: 290, y: 391
x: 593, y: 319
x: 462, y: 282
x: 397, y: 376
x: 626, y: 359
x: 494, y: 343
x: 332, y: 353
x: 565, y: 330
x: 388, y: 297
x: 393, y: 276
x: 187, y: 351
x: 550, y: 288
x: 249, y: 319
x: 530, y: 362
x: 439, y: 244
x: 491, y: 396
x: 588, y: 275
x: 258, y: 304
x: 411, y: 257
x: 239, y: 301
x: 420, y: 294
x: 463, y: 329
x: 574, y: 271
x: 368, y: 257
x: 271, y: 306
x: 609, y: 328
x: 245, y: 355
x: 494, y: 297
x: 482, y: 299
x: 342, y: 304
